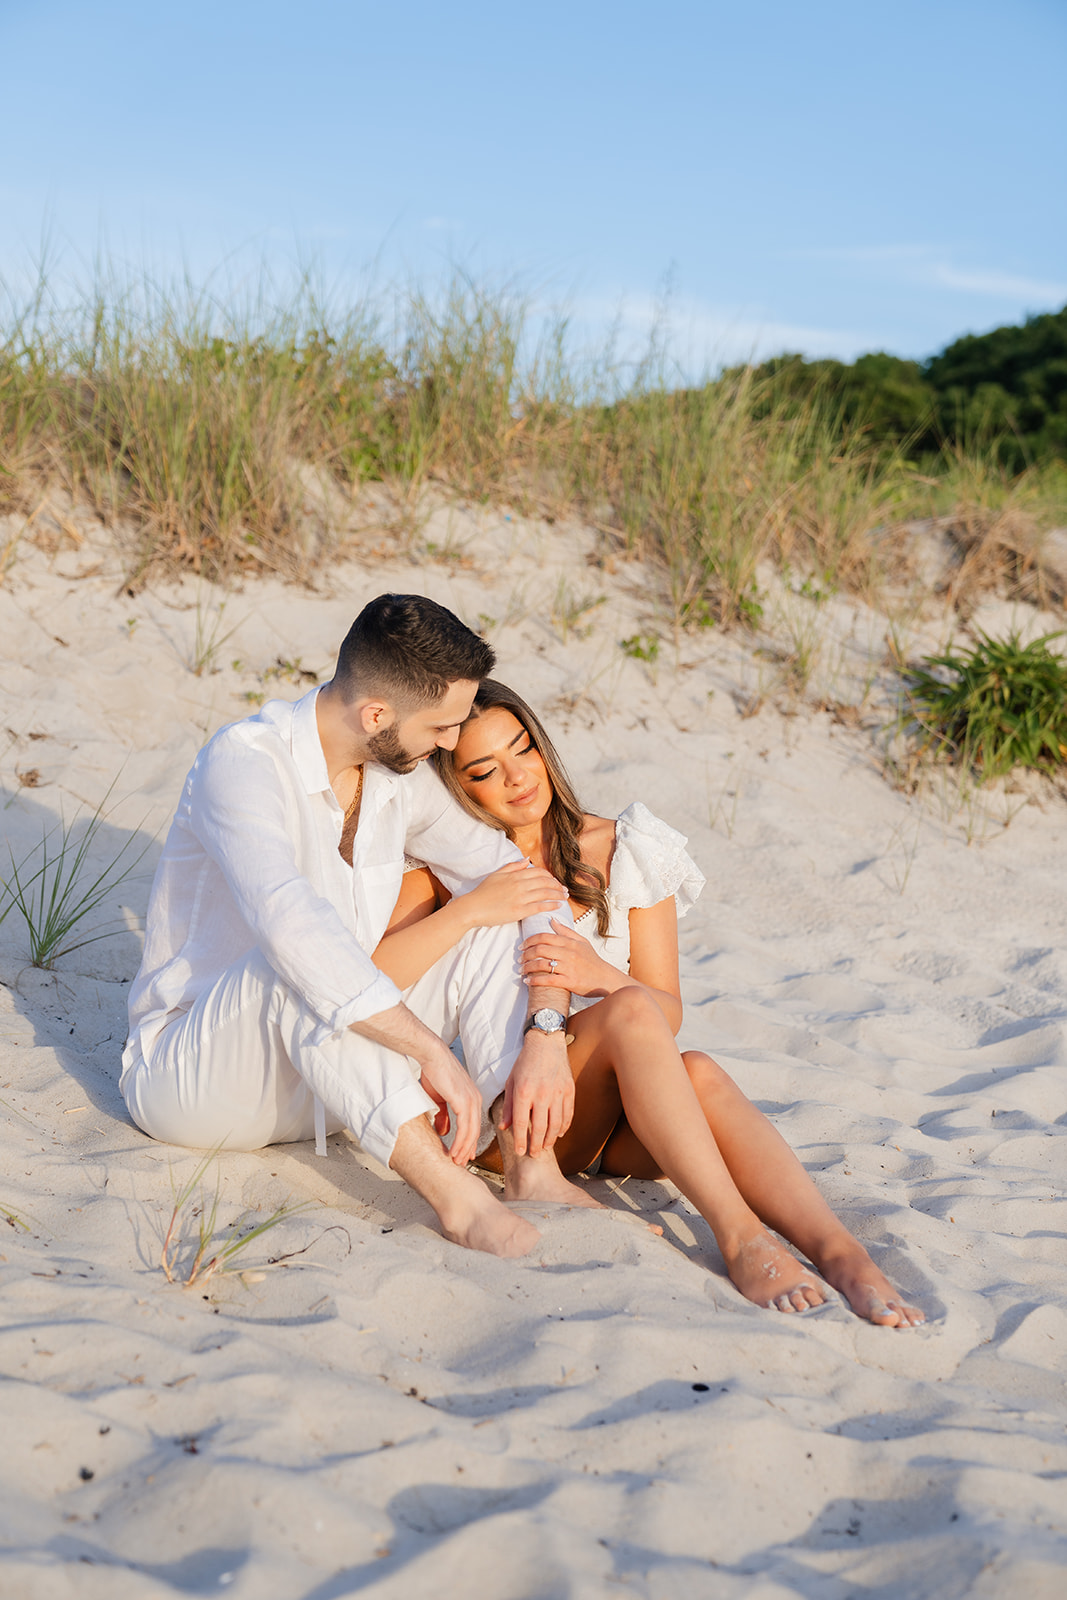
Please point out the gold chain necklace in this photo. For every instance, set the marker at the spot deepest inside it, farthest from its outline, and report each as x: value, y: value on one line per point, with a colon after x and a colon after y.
x: 351, y: 822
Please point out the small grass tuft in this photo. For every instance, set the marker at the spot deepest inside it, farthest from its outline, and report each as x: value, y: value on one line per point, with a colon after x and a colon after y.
x: 1000, y: 705
x: 55, y: 888
x: 211, y: 1251
x: 209, y: 637
x: 642, y: 647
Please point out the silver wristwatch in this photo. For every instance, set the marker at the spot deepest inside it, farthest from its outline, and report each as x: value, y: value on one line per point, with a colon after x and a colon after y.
x: 546, y: 1021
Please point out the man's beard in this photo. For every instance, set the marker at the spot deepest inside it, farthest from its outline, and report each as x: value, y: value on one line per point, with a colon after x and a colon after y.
x: 386, y: 749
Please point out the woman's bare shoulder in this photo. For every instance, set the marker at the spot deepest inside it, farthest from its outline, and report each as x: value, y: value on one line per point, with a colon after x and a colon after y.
x: 598, y: 841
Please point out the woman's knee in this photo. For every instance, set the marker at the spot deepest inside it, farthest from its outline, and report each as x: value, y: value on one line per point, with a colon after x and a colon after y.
x: 707, y: 1077
x: 630, y: 1008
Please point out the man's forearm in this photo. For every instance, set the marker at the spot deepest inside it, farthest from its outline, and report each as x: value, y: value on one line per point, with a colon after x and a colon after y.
x: 400, y: 1029
x: 555, y: 999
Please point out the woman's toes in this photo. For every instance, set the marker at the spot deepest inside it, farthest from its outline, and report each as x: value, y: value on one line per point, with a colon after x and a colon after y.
x: 894, y: 1314
x: 784, y: 1302
x: 908, y: 1316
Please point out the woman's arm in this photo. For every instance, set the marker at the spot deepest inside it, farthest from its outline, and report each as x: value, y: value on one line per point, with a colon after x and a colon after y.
x: 423, y: 927
x: 654, y: 957
x: 426, y: 923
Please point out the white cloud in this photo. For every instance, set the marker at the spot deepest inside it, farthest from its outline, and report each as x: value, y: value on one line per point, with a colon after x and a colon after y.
x: 1000, y: 284
x: 932, y: 266
x: 702, y: 338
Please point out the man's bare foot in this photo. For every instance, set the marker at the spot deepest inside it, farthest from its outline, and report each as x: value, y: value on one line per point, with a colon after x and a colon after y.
x: 480, y: 1222
x: 538, y: 1178
x: 767, y: 1274
x: 868, y: 1291
x: 469, y: 1215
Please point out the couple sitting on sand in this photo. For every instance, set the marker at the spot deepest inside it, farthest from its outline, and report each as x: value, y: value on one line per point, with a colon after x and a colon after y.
x: 332, y: 911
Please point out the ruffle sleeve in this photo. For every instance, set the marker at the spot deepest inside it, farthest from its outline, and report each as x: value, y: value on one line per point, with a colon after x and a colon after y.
x: 651, y: 862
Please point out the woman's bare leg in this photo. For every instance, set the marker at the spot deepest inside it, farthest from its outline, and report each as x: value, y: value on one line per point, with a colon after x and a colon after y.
x: 776, y: 1186
x: 532, y: 1178
x: 624, y: 1055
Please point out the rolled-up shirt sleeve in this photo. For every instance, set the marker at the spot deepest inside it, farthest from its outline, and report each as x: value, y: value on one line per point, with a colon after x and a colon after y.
x: 243, y: 819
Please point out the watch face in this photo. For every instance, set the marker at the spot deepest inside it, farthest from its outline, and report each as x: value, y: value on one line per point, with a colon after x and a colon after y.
x: 549, y: 1021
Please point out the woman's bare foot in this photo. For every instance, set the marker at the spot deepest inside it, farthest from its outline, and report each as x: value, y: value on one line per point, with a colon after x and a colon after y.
x: 767, y: 1274
x: 868, y: 1291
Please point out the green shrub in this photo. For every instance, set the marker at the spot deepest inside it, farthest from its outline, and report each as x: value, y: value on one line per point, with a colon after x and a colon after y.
x: 1004, y: 705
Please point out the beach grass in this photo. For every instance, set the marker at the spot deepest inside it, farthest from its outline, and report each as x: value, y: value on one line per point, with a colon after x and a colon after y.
x: 999, y: 705
x: 194, y: 1247
x: 189, y: 424
x: 56, y: 887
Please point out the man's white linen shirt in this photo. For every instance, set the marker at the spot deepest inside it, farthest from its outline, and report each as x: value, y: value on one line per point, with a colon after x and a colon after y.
x: 252, y: 860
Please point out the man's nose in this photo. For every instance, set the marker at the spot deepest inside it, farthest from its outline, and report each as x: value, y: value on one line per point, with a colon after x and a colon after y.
x: 448, y: 740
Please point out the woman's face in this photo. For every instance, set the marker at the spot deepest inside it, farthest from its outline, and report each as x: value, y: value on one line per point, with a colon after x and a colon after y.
x: 497, y: 765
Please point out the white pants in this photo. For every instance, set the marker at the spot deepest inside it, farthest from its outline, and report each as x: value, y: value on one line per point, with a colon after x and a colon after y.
x: 239, y: 1069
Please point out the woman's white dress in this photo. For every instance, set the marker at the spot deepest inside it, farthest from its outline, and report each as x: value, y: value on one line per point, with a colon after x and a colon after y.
x: 650, y: 862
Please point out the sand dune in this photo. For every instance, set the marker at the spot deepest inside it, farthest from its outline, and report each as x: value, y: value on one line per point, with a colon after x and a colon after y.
x: 381, y: 1410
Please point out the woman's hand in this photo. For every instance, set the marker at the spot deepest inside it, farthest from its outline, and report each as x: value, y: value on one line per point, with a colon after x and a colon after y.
x: 564, y: 960
x: 509, y: 894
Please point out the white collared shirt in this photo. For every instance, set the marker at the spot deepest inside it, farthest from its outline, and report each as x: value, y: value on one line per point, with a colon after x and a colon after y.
x: 252, y: 860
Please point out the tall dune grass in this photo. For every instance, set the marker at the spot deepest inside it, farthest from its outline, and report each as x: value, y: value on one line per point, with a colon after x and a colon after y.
x: 186, y: 423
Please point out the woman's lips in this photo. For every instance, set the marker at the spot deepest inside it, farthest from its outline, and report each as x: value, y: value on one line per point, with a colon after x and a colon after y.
x: 524, y: 799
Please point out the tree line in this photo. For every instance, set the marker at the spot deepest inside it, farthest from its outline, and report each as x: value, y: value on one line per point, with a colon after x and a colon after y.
x: 1006, y: 389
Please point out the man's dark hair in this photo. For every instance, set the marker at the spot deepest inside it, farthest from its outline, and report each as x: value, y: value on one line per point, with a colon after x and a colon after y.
x: 408, y: 650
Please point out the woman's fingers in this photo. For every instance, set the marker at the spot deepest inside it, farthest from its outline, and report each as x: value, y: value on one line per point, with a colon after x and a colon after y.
x: 538, y: 960
x: 546, y: 946
x: 546, y: 979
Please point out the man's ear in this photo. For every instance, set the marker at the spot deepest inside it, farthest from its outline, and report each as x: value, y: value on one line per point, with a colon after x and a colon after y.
x: 375, y: 716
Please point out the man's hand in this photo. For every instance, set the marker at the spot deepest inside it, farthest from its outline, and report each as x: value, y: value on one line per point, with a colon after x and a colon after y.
x: 443, y: 1079
x: 539, y: 1097
x: 446, y: 1083
x: 509, y: 894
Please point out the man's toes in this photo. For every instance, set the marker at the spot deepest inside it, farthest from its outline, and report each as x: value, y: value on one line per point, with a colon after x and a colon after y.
x: 784, y: 1302
x: 813, y: 1295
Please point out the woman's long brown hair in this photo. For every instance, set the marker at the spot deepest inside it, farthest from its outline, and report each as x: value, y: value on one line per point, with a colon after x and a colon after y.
x: 565, y: 817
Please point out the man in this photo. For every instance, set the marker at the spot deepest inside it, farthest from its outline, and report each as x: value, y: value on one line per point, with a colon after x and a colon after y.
x: 258, y: 1015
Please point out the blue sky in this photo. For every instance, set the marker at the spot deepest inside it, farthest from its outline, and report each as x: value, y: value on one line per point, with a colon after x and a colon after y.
x: 824, y: 177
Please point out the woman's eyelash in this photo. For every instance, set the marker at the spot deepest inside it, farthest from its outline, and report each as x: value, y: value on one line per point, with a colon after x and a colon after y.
x: 483, y: 775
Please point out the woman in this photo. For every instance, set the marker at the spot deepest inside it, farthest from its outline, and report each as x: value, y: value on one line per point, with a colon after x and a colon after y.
x: 642, y: 1109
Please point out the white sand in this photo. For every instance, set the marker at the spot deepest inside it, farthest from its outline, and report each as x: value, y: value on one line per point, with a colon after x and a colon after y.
x: 386, y: 1411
